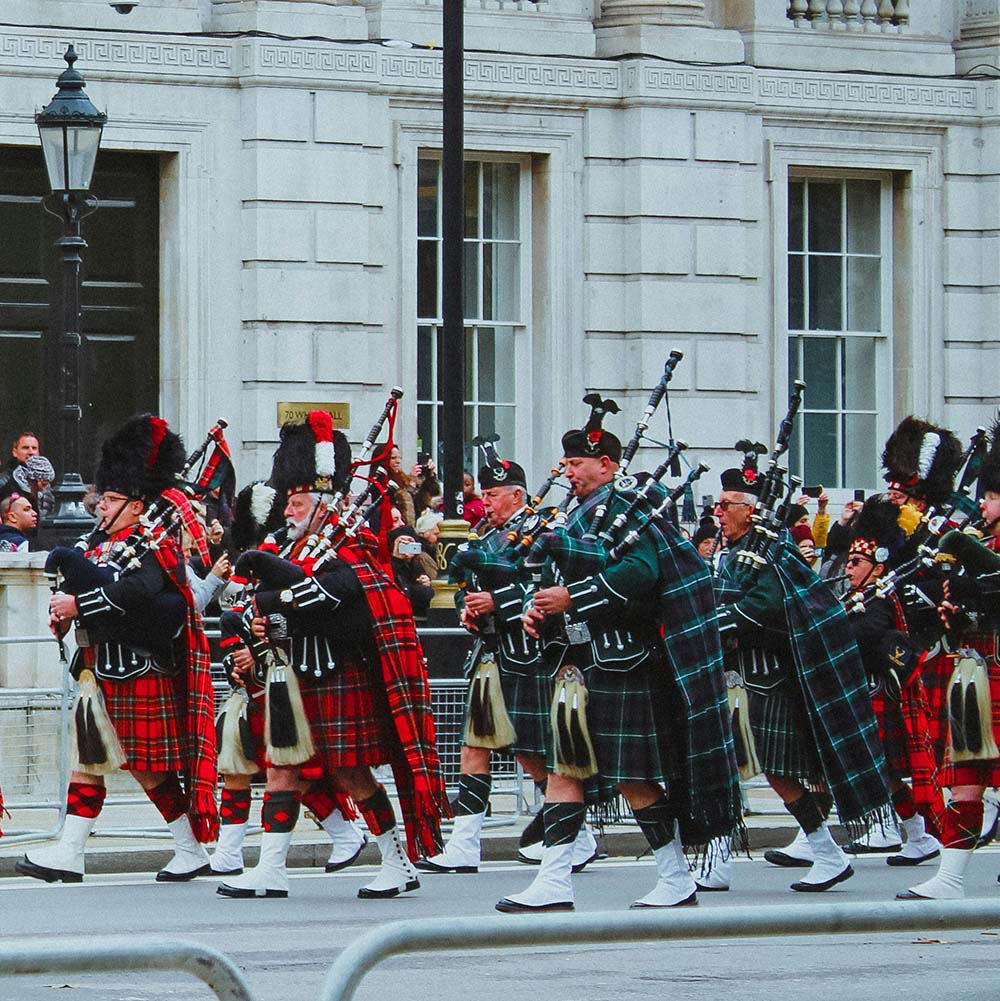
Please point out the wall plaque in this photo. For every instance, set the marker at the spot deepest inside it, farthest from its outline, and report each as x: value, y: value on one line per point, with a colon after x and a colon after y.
x: 295, y: 413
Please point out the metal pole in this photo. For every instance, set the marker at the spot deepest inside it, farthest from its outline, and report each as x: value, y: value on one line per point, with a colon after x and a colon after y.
x: 69, y: 518
x: 451, y: 358
x: 532, y: 931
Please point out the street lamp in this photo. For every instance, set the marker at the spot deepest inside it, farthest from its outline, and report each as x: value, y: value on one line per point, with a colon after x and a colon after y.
x: 70, y: 130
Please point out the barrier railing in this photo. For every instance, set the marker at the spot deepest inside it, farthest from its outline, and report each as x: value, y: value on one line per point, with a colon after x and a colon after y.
x: 212, y: 968
x: 603, y: 927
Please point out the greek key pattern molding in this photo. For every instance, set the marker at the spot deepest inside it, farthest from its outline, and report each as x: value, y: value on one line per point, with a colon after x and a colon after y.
x: 120, y: 53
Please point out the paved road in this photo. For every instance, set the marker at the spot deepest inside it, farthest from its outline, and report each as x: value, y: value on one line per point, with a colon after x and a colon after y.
x: 284, y: 947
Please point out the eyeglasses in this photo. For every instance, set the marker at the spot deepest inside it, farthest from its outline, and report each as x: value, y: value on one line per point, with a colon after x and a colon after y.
x: 727, y: 504
x: 856, y: 561
x: 113, y: 499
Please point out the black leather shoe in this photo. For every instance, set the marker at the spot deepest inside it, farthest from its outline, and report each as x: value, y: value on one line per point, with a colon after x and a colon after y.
x: 246, y: 893
x: 910, y: 895
x: 426, y: 865
x: 28, y: 868
x: 393, y: 891
x: 777, y: 857
x: 227, y: 872
x: 580, y: 866
x: 165, y: 876
x: 691, y: 901
x: 860, y: 848
x: 906, y: 860
x: 509, y: 906
x: 825, y: 885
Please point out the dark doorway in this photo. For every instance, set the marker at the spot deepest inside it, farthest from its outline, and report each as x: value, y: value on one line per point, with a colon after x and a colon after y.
x: 120, y: 358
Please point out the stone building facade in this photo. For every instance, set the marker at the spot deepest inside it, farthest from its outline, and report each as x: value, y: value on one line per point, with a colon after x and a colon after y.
x: 777, y: 188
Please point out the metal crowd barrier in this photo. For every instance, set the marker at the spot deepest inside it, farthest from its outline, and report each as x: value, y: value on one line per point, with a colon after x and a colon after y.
x: 532, y: 931
x: 35, y: 753
x: 116, y: 955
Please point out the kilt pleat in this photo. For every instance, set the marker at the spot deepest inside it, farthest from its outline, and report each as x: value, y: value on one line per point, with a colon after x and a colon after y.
x: 935, y: 673
x: 149, y: 714
x: 528, y: 698
x: 893, y: 734
x: 782, y: 737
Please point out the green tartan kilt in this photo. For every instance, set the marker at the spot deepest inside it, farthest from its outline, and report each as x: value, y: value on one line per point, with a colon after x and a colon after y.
x: 782, y: 737
x: 528, y: 698
x: 628, y: 715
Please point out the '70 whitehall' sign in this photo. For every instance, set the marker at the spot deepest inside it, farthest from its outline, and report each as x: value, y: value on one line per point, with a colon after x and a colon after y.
x: 295, y: 413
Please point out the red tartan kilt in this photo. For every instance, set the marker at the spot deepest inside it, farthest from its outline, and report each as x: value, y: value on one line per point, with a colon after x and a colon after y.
x: 349, y: 720
x: 980, y: 773
x: 935, y: 673
x: 893, y: 735
x: 150, y: 717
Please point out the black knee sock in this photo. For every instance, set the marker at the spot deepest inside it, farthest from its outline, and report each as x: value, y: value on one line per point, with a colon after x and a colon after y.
x: 473, y: 794
x: 562, y: 822
x: 807, y: 812
x: 656, y: 822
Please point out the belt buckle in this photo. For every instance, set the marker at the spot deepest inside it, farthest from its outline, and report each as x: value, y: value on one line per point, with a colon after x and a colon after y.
x: 577, y: 633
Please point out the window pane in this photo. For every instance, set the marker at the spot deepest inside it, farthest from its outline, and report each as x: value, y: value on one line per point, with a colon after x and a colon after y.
x: 796, y: 193
x: 859, y: 373
x: 470, y: 278
x: 426, y: 439
x: 503, y: 282
x: 24, y: 246
x: 824, y: 216
x: 470, y: 363
x: 861, y: 446
x: 426, y: 364
x: 864, y: 298
x: 863, y: 218
x: 819, y: 357
x: 794, y: 359
x: 825, y: 293
x: 503, y: 365
x: 471, y: 199
x: 500, y: 204
x: 503, y: 418
x: 821, y: 448
x: 796, y: 293
x: 486, y: 365
x: 427, y: 278
x: 427, y: 197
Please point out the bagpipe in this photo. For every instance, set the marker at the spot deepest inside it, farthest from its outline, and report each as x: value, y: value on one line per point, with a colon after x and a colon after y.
x: 774, y: 497
x: 153, y: 627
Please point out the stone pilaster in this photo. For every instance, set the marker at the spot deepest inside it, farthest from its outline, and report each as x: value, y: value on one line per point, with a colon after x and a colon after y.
x: 672, y: 29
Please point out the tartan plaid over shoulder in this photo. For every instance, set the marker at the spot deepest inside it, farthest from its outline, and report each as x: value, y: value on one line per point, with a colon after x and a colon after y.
x: 423, y: 798
x: 705, y: 797
x: 832, y: 681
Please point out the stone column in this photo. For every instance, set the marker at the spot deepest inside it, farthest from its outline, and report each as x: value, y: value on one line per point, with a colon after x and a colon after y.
x: 24, y: 603
x: 673, y: 29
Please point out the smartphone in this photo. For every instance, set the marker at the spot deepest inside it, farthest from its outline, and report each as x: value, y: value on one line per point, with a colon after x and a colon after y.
x: 859, y: 495
x: 410, y: 548
x: 813, y: 491
x: 423, y: 458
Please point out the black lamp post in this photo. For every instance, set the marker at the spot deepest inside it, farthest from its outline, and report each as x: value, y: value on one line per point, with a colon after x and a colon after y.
x: 70, y: 129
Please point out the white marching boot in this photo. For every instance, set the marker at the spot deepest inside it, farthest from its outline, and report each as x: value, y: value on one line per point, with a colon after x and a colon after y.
x: 551, y: 889
x: 949, y: 881
x: 348, y: 840
x: 462, y: 852
x: 396, y: 874
x: 584, y: 850
x: 227, y: 859
x: 269, y: 877
x: 797, y: 855
x: 62, y: 861
x: 190, y: 858
x: 920, y: 846
x: 831, y: 865
x: 878, y: 838
x: 716, y: 870
x: 675, y: 886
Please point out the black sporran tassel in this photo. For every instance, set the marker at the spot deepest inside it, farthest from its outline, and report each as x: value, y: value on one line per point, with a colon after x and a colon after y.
x: 98, y: 750
x: 489, y: 722
x: 574, y: 750
x: 289, y: 741
x: 970, y: 710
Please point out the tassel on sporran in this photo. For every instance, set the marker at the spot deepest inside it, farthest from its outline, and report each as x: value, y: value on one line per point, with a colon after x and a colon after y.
x: 286, y: 729
x: 574, y: 750
x: 234, y: 740
x: 98, y: 750
x: 970, y: 711
x: 746, y: 752
x: 489, y: 724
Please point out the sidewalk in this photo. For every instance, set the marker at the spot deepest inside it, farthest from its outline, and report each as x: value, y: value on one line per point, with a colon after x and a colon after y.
x: 769, y: 825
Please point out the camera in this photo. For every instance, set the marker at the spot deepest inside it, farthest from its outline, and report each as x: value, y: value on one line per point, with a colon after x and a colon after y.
x: 423, y: 458
x: 859, y: 495
x: 812, y: 491
x: 410, y: 548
